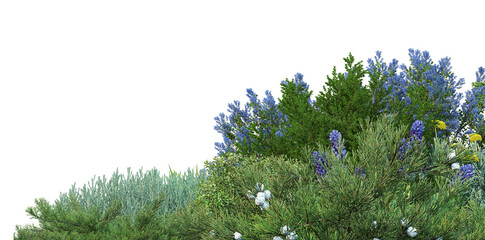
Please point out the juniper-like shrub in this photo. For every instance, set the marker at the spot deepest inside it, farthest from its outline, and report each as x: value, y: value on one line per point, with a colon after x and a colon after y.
x: 345, y: 103
x: 306, y: 126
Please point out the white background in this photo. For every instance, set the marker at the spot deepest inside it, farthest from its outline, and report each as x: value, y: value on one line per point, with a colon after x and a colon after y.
x: 90, y: 86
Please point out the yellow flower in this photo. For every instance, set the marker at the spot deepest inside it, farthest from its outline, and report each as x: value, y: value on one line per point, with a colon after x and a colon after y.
x: 440, y: 124
x: 475, y: 137
x: 474, y: 157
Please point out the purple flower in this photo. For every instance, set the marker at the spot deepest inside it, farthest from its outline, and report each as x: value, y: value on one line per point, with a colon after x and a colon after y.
x: 466, y: 172
x: 438, y: 80
x: 279, y: 133
x: 417, y: 130
x: 321, y: 165
x: 335, y: 137
x: 300, y: 84
x: 237, y: 129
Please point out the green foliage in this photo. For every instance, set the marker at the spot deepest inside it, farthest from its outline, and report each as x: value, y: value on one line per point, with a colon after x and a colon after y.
x: 476, y: 189
x: 345, y: 104
x: 91, y: 211
x: 422, y: 107
x: 218, y: 190
x: 343, y: 205
x: 77, y: 223
x: 339, y: 206
x: 306, y: 124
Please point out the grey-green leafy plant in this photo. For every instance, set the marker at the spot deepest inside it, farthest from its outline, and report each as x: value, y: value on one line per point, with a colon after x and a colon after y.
x: 135, y: 191
x: 120, y: 207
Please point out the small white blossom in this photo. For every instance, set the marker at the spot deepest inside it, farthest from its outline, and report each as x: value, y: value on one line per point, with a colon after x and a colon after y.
x: 261, y: 195
x: 291, y: 236
x: 284, y: 230
x: 267, y: 194
x: 237, y: 236
x: 250, y: 195
x: 452, y: 154
x: 277, y: 238
x: 412, y: 232
x: 264, y: 205
x: 259, y: 201
x: 455, y: 166
x: 375, y: 239
x: 375, y: 224
x: 404, y: 222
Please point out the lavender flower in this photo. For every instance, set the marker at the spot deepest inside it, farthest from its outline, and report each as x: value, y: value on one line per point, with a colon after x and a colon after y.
x: 465, y: 173
x: 335, y: 139
x: 321, y: 165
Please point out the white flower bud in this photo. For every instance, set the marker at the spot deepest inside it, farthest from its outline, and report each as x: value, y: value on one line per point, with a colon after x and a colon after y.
x: 250, y: 195
x: 258, y: 201
x: 375, y: 224
x: 452, y: 154
x: 267, y: 194
x: 455, y: 166
x: 237, y: 236
x: 277, y: 238
x: 404, y: 222
x: 291, y: 236
x: 284, y: 230
x: 264, y: 205
x: 412, y: 232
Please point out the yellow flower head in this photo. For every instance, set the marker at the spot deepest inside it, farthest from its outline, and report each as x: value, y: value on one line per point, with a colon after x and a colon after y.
x: 474, y: 157
x: 440, y: 124
x: 475, y: 137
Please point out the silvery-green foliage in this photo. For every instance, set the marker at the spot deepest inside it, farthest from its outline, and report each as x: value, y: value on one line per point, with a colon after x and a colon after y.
x: 135, y: 191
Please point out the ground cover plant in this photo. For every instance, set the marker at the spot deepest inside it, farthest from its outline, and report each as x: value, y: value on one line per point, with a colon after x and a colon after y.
x: 409, y: 165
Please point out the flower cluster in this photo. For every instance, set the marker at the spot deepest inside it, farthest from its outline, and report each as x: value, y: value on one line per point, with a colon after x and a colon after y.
x: 412, y: 232
x: 335, y: 139
x: 416, y: 134
x: 243, y: 130
x: 261, y: 198
x: 404, y: 92
x: 472, y: 108
x: 466, y: 172
x: 321, y: 166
